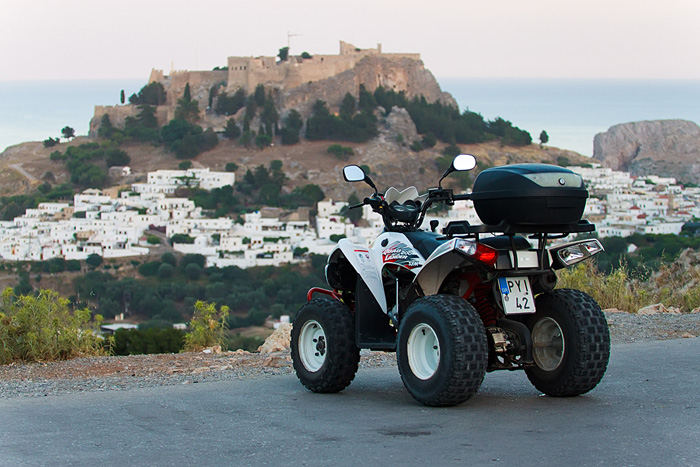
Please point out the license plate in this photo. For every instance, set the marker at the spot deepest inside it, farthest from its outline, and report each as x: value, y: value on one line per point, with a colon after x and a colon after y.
x: 516, y: 295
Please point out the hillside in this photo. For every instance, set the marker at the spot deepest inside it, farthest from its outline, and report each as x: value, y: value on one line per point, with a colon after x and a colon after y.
x: 392, y: 163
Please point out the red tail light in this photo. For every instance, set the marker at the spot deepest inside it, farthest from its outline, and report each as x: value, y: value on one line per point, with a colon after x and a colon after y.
x: 482, y: 253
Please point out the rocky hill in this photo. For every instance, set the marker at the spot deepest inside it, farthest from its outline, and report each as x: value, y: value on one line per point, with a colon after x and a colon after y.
x: 660, y: 147
x: 392, y: 162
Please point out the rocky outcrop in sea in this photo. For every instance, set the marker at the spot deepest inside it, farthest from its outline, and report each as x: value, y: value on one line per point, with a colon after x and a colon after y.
x: 669, y: 148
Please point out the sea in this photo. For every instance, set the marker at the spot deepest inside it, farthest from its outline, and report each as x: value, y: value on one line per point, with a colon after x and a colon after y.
x: 571, y: 111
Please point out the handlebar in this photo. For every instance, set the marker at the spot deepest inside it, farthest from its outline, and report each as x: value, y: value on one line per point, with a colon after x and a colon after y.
x: 401, y: 218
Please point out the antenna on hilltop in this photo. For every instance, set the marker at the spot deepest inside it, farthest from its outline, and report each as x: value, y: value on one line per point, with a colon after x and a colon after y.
x: 289, y: 36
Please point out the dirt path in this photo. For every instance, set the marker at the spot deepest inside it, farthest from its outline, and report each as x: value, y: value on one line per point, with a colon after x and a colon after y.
x: 18, y: 168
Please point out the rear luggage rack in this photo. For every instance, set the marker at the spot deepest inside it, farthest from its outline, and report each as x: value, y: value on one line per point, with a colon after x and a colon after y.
x: 459, y: 228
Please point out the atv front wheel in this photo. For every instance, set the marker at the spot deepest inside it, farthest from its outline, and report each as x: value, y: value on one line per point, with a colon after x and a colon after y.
x: 571, y: 343
x: 442, y: 350
x: 323, y: 345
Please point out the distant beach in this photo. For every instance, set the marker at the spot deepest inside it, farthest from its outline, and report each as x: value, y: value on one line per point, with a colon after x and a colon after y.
x: 570, y: 111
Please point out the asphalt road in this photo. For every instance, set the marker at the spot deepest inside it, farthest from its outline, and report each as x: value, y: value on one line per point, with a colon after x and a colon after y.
x: 645, y: 412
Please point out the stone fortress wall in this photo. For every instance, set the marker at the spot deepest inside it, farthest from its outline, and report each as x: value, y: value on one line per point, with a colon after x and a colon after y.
x: 248, y: 72
x: 326, y: 77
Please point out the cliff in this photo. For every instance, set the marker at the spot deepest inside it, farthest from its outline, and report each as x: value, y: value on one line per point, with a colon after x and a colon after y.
x: 661, y: 147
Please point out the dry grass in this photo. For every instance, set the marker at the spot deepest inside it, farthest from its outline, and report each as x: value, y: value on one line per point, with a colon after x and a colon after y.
x: 673, y: 286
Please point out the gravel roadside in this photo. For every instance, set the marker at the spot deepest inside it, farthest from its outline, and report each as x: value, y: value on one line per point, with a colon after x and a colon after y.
x: 137, y: 371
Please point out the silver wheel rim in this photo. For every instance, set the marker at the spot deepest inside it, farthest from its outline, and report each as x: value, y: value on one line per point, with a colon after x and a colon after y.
x: 548, y: 344
x: 312, y: 346
x: 423, y: 349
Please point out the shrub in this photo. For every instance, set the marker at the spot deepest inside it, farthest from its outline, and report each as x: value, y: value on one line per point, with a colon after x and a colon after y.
x: 169, y: 258
x: 149, y: 269
x: 416, y: 146
x: 181, y: 238
x: 207, y: 327
x: 148, y: 341
x: 51, y: 142
x: 339, y: 151
x: 42, y: 328
x: 616, y: 290
x: 94, y: 260
x: 193, y: 271
x: 165, y: 271
x: 153, y: 240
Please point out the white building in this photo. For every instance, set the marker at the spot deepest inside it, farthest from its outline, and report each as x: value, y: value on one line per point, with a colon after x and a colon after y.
x: 167, y: 181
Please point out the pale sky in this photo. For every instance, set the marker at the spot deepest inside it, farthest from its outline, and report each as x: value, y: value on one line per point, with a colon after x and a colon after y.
x: 88, y: 39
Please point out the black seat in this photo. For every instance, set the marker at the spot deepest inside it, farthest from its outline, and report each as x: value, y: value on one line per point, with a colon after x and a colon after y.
x: 424, y: 242
x: 502, y: 242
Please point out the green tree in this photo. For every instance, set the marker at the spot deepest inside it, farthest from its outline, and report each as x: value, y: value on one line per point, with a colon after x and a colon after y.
x: 51, y: 142
x: 544, y: 138
x: 106, y: 129
x: 306, y: 55
x: 283, y: 54
x: 263, y: 140
x: 187, y: 109
x: 93, y: 260
x: 165, y: 271
x: 150, y: 268
x: 259, y: 95
x: 169, y: 258
x: 347, y: 107
x: 231, y: 167
x: 226, y: 105
x: 117, y: 157
x: 151, y: 94
x: 122, y: 97
x: 232, y: 131
x: 292, y: 125
x: 68, y: 132
x: 193, y: 271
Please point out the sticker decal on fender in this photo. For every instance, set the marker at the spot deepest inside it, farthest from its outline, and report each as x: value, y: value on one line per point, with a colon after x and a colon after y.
x: 401, y: 254
x: 365, y: 261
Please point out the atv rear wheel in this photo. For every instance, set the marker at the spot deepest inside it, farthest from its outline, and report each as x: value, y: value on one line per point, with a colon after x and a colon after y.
x: 571, y: 343
x: 323, y: 345
x: 442, y: 350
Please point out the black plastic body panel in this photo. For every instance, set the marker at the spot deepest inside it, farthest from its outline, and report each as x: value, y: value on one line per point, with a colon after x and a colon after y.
x: 529, y: 194
x: 372, y: 328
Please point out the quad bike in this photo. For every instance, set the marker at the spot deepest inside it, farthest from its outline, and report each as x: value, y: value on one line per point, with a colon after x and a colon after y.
x: 457, y: 304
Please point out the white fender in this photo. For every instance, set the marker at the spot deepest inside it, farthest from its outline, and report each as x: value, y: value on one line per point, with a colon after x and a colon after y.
x: 363, y: 260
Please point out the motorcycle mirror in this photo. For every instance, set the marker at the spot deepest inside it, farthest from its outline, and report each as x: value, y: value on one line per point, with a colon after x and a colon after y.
x: 354, y: 173
x: 462, y: 162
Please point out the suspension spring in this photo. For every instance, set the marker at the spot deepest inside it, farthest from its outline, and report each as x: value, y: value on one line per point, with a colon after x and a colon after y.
x: 484, y: 305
